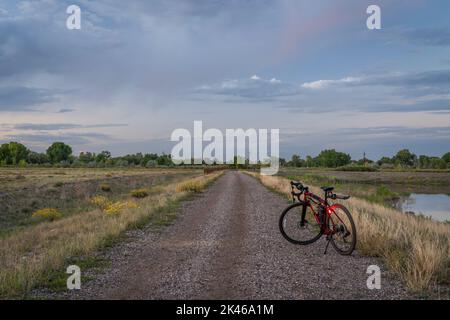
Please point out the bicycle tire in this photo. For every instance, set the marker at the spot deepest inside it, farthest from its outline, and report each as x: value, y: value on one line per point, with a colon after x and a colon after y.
x: 285, y: 234
x: 352, y: 246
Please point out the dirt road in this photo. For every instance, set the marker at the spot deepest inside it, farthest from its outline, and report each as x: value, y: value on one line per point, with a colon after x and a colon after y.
x: 226, y: 245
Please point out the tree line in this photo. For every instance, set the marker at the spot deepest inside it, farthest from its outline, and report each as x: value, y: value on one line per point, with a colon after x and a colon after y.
x: 403, y: 159
x: 61, y: 154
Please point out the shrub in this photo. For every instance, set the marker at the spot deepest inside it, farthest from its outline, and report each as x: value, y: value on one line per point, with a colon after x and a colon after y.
x: 59, y: 184
x: 47, y: 213
x: 105, y: 187
x: 139, y: 193
x: 117, y: 207
x: 190, y: 186
x: 384, y: 191
x: 100, y: 201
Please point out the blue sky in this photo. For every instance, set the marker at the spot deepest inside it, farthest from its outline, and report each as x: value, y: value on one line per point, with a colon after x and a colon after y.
x: 137, y: 70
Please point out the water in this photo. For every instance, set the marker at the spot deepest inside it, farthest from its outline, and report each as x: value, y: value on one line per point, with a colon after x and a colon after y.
x: 435, y: 205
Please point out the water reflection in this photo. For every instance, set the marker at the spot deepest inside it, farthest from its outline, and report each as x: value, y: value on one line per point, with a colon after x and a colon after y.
x: 436, y: 206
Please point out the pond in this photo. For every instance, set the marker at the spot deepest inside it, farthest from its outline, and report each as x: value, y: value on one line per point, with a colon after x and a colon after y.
x: 436, y: 206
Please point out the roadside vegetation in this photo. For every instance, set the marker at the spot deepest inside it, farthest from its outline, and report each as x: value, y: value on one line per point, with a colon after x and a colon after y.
x: 70, y: 190
x: 30, y: 257
x: 414, y: 248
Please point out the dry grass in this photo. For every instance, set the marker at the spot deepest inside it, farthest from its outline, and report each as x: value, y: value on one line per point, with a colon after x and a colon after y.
x: 415, y: 248
x: 26, y: 256
x: 197, y: 185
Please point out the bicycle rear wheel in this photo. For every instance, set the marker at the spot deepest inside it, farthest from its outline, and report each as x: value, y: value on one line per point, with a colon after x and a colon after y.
x: 344, y: 238
x: 291, y: 228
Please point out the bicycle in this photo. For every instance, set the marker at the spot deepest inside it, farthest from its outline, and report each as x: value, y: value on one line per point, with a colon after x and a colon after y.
x: 308, y: 219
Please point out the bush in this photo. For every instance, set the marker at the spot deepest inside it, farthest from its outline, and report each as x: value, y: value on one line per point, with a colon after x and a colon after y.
x: 105, y: 187
x: 139, y: 193
x: 117, y: 207
x: 151, y: 164
x: 100, y: 201
x: 387, y: 166
x: 47, y: 213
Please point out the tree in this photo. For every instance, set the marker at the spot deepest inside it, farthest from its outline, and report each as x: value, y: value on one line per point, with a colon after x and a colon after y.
x: 310, y: 162
x: 149, y: 157
x: 103, y: 157
x: 86, y: 157
x: 446, y: 158
x: 12, y: 153
x: 405, y: 158
x: 37, y: 158
x: 332, y: 158
x: 384, y: 160
x: 424, y: 162
x: 296, y: 161
x: 165, y: 160
x: 59, y: 151
x: 437, y: 163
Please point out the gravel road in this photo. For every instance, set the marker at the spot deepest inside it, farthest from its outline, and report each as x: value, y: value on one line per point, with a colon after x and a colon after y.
x: 226, y: 244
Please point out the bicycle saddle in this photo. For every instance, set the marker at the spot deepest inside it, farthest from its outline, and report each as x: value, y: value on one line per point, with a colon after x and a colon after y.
x: 327, y: 189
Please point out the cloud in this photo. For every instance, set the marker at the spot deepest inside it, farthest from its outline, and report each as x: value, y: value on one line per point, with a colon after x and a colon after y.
x: 19, y: 98
x: 253, y: 88
x: 322, y: 84
x: 66, y: 110
x: 43, y: 139
x: 440, y: 78
x: 421, y: 132
x: 59, y: 126
x: 435, y: 37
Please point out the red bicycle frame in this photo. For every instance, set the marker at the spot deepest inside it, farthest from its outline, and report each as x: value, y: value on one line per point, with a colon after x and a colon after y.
x: 329, y: 210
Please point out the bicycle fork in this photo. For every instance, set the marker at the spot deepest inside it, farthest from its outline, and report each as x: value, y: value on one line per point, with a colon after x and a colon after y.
x: 302, y: 221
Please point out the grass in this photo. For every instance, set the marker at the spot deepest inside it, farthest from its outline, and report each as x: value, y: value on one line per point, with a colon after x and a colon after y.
x: 191, y: 186
x: 32, y: 256
x: 69, y: 190
x: 414, y: 248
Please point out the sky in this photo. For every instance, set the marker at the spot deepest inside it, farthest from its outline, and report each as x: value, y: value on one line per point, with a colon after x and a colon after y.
x: 138, y: 70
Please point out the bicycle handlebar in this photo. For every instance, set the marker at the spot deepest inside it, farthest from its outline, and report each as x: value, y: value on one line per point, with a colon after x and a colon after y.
x: 299, y: 186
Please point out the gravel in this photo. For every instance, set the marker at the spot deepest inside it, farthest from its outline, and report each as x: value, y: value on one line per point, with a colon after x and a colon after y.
x: 226, y: 244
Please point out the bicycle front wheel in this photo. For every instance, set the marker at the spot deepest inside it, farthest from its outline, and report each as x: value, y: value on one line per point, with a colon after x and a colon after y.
x: 344, y: 230
x: 291, y: 226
